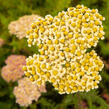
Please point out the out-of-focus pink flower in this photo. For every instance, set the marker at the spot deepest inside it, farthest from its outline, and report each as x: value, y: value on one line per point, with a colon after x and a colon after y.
x: 15, y: 60
x: 13, y: 70
x: 1, y: 42
x: 106, y: 97
x: 20, y: 26
x: 83, y: 104
x: 26, y: 92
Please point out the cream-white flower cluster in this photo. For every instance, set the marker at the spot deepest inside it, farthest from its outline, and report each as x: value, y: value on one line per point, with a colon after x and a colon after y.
x: 26, y: 92
x: 20, y: 26
x: 63, y: 41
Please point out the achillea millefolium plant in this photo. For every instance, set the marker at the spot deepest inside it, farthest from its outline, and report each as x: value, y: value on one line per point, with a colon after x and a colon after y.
x: 63, y: 42
x: 70, y: 89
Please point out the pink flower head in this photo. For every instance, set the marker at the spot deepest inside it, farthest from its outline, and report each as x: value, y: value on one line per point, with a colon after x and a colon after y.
x: 13, y: 70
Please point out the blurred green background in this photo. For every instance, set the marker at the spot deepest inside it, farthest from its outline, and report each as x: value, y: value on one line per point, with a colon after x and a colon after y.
x: 11, y: 10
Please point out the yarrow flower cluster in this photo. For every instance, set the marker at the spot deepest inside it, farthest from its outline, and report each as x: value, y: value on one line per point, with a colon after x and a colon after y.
x: 1, y: 42
x: 20, y: 26
x: 26, y: 92
x: 63, y: 41
x: 13, y: 70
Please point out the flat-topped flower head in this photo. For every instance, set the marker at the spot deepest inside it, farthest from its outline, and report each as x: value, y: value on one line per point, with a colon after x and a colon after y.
x: 20, y: 26
x: 66, y: 76
x: 13, y: 70
x: 26, y: 92
x: 63, y: 41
